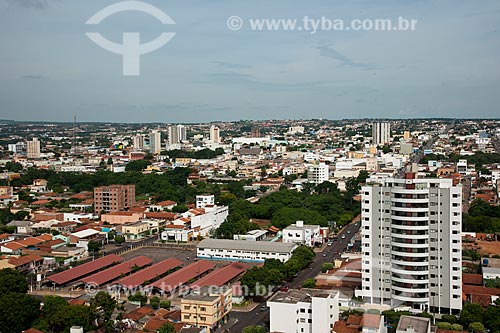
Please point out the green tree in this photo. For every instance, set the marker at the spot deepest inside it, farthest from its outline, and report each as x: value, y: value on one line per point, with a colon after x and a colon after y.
x: 165, y: 304
x: 11, y: 281
x: 444, y: 325
x: 94, y: 247
x: 104, y: 304
x: 476, y: 327
x: 119, y: 239
x: 471, y: 313
x: 155, y: 302
x: 309, y: 283
x: 327, y: 266
x: 458, y: 327
x: 137, y: 165
x: 138, y: 297
x: 18, y: 312
x: 254, y: 329
x: 167, y: 328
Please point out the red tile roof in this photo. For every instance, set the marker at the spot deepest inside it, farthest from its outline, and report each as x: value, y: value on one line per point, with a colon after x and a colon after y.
x: 148, y: 274
x: 182, y: 276
x: 139, y: 313
x: 472, y: 279
x: 221, y: 276
x: 85, y: 269
x: 115, y: 272
x: 23, y: 260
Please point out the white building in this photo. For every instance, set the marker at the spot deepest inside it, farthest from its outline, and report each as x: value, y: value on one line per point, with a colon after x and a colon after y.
x: 211, y: 219
x: 305, y: 310
x: 295, y: 130
x: 214, y: 134
x: 381, y: 133
x: 411, y: 244
x: 33, y: 148
x: 154, y: 142
x: 138, y: 142
x: 301, y: 233
x: 318, y: 173
x: 462, y: 167
x: 240, y: 250
x: 205, y: 200
x: 176, y: 134
x: 252, y: 235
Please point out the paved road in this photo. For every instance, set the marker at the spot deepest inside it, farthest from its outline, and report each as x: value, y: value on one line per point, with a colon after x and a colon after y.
x: 260, y: 317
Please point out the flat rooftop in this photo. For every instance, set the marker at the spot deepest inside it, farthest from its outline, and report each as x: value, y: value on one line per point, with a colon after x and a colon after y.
x: 294, y: 296
x: 227, y: 244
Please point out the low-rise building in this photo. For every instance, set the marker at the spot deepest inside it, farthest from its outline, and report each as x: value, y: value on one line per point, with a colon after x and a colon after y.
x: 238, y: 250
x: 410, y: 324
x: 207, y: 308
x: 305, y: 310
x: 252, y: 235
x: 301, y: 233
x: 136, y: 230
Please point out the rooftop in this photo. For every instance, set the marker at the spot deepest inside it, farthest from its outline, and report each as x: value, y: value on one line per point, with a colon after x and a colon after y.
x: 418, y: 324
x: 228, y: 244
x: 294, y: 296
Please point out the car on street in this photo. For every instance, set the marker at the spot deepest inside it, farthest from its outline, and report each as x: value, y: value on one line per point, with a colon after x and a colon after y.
x: 343, y: 236
x: 330, y: 243
x: 348, y: 231
x: 263, y: 308
x: 324, y: 254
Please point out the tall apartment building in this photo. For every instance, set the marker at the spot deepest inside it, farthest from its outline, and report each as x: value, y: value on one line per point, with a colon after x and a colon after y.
x: 176, y: 134
x: 155, y: 142
x: 214, y: 134
x: 411, y: 244
x: 114, y: 198
x: 182, y: 132
x: 318, y: 173
x: 33, y: 148
x: 255, y: 132
x: 207, y: 308
x: 305, y: 310
x: 138, y: 142
x: 381, y: 133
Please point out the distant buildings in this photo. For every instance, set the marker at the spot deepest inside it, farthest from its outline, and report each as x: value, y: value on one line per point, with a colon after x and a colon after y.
x: 214, y: 134
x: 155, y: 142
x: 33, y: 149
x: 411, y: 244
x: 305, y: 310
x: 206, y: 307
x: 114, y: 198
x: 381, y: 133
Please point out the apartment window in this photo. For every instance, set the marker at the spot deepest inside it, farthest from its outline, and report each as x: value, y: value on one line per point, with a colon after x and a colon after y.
x: 309, y: 321
x: 302, y: 310
x: 302, y: 320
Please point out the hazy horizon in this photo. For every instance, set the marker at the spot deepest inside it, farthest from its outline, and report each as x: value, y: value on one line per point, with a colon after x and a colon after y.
x: 449, y: 67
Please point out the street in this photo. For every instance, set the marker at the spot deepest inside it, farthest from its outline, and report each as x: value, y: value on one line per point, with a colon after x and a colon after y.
x: 259, y: 317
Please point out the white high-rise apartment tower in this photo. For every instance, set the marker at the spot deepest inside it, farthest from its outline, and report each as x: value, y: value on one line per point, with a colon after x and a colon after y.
x: 33, y: 150
x: 381, y: 133
x: 155, y: 142
x: 138, y: 141
x: 214, y: 134
x: 411, y: 244
x: 176, y: 134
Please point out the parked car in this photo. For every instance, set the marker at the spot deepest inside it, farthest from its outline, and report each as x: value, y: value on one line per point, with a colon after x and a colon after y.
x: 324, y: 254
x: 330, y: 243
x: 343, y: 236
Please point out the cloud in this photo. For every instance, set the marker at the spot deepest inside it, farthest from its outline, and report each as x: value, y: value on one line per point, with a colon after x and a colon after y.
x: 32, y: 77
x: 329, y: 52
x: 229, y: 65
x: 37, y: 4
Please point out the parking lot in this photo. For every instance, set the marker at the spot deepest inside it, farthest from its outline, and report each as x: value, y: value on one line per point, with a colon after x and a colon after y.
x: 159, y: 254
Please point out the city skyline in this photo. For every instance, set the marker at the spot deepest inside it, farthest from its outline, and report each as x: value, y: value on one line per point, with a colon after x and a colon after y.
x: 447, y: 67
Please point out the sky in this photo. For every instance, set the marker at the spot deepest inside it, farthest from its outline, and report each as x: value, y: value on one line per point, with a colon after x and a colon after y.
x: 449, y: 66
